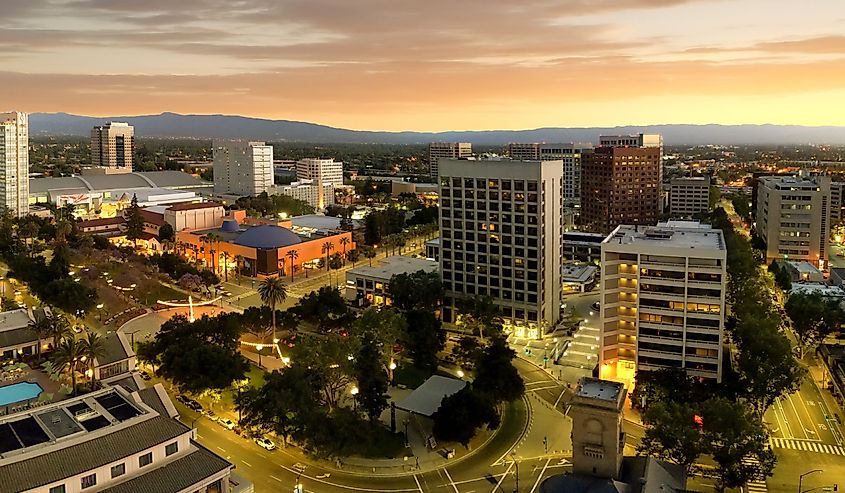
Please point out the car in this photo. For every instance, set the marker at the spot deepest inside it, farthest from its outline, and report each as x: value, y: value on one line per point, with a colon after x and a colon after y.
x: 226, y: 294
x: 183, y: 399
x: 595, y: 306
x: 196, y: 406
x: 145, y: 376
x: 210, y: 415
x: 265, y: 443
x: 226, y: 423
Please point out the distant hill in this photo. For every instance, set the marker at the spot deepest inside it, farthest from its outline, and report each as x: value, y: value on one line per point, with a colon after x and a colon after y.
x: 223, y: 126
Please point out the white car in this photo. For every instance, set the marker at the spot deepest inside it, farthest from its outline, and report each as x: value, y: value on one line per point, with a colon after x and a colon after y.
x: 226, y: 423
x: 265, y: 443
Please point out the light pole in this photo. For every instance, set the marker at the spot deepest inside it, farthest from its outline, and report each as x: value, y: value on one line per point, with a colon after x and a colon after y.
x: 354, y: 393
x: 801, y: 477
x: 516, y: 464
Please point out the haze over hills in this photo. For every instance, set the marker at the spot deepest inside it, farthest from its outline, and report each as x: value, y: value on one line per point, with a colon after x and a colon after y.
x: 225, y: 126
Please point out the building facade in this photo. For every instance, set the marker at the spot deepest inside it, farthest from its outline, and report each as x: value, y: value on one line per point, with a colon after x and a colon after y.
x: 837, y: 191
x: 242, y: 168
x: 524, y: 152
x: 689, y: 197
x: 635, y: 140
x: 368, y: 285
x: 793, y: 218
x: 662, y: 300
x: 500, y: 237
x: 14, y: 162
x: 323, y: 173
x: 113, y: 146
x: 570, y: 154
x: 309, y: 191
x: 620, y: 185
x: 598, y: 441
x: 446, y: 150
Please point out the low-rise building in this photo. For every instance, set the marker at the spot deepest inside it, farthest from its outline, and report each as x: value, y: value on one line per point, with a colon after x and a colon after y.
x: 118, y: 359
x: 367, y: 285
x: 110, y: 226
x: 17, y: 338
x: 109, y: 440
x: 577, y: 278
x: 803, y: 271
x: 582, y: 247
x: 432, y: 249
x: 317, y: 195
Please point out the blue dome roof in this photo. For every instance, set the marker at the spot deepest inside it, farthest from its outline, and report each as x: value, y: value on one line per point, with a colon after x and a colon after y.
x: 267, y: 237
x: 230, y: 226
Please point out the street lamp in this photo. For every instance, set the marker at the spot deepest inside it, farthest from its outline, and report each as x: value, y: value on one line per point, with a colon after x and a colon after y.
x: 354, y: 392
x: 460, y: 374
x: 516, y: 464
x: 801, y: 477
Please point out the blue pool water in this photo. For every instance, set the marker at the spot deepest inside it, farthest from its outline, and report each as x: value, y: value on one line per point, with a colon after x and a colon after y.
x: 17, y: 392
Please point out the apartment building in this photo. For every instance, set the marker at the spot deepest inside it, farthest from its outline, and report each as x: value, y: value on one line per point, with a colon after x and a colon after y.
x: 793, y: 218
x: 837, y: 189
x: 113, y: 146
x: 662, y: 300
x: 14, y: 162
x: 308, y: 191
x: 500, y: 237
x: 689, y: 197
x: 446, y: 150
x: 108, y: 440
x: 242, y: 168
x: 620, y: 185
x: 322, y: 173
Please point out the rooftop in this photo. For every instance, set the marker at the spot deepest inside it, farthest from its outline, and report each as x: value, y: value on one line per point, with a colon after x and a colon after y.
x: 604, y: 390
x: 14, y: 319
x: 394, y: 265
x: 115, y: 348
x: 577, y: 272
x: 676, y: 234
x: 817, y: 288
x: 143, y: 180
x: 195, y: 206
x: 804, y: 267
x: 426, y: 399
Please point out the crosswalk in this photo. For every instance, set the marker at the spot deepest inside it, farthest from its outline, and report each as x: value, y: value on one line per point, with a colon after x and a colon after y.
x: 755, y: 485
x: 808, y: 446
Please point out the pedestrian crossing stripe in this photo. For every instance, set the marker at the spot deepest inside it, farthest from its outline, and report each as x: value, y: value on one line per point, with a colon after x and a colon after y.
x: 755, y: 485
x: 808, y: 446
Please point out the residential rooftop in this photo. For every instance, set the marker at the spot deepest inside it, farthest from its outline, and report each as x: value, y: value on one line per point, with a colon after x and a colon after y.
x: 394, y: 265
x: 593, y: 388
x: 673, y: 234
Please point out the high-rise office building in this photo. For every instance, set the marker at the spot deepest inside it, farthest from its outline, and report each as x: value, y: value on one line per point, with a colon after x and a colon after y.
x: 689, y: 196
x: 322, y: 172
x: 636, y: 140
x: 571, y: 155
x: 500, y: 237
x: 662, y: 300
x: 793, y: 218
x: 309, y: 192
x: 524, y: 152
x: 446, y: 150
x: 837, y: 193
x: 242, y: 168
x: 113, y: 146
x: 14, y: 162
x: 620, y: 185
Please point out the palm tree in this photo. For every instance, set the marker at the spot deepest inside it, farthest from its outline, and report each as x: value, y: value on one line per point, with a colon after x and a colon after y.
x: 239, y: 263
x: 327, y: 248
x: 353, y: 256
x: 226, y: 256
x: 272, y: 291
x: 213, y: 245
x: 370, y: 253
x: 343, y: 242
x: 59, y: 329
x: 93, y: 347
x: 292, y: 255
x: 68, y: 357
x: 42, y: 328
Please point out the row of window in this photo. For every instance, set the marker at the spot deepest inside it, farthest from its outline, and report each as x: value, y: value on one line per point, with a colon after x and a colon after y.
x: 493, y: 261
x: 492, y: 228
x: 118, y: 470
x: 492, y: 184
x: 493, y: 206
x: 494, y: 281
x: 482, y: 195
x: 494, y: 248
x: 502, y: 294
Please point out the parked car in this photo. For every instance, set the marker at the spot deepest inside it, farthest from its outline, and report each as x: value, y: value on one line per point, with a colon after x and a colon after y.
x: 145, y: 376
x: 595, y: 306
x: 226, y: 423
x: 196, y: 406
x: 184, y: 399
x: 265, y: 443
x: 210, y: 415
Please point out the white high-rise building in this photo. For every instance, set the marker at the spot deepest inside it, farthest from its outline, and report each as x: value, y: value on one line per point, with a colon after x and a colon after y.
x: 446, y: 150
x: 14, y: 162
x: 500, y: 237
x: 662, y: 300
x: 322, y: 172
x: 308, y: 191
x: 793, y: 218
x: 570, y: 154
x: 242, y: 168
x: 113, y: 146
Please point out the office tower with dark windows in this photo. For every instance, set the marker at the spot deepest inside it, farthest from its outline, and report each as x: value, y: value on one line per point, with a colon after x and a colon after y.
x: 113, y: 146
x: 662, y: 300
x: 500, y: 237
x: 14, y: 162
x: 446, y: 150
x: 689, y: 197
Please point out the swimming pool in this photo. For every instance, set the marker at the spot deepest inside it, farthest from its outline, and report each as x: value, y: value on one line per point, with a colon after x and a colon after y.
x: 18, y: 392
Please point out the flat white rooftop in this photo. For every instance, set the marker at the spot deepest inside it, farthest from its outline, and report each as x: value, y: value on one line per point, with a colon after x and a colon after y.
x: 594, y: 388
x: 674, y: 234
x: 577, y: 273
x: 394, y: 265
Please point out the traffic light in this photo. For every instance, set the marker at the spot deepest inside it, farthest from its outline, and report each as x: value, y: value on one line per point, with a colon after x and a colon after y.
x: 298, y: 489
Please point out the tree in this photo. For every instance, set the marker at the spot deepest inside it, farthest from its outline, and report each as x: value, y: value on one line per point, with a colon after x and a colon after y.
x: 461, y: 414
x: 42, y: 328
x: 327, y: 248
x: 93, y: 348
x: 418, y: 290
x: 321, y: 307
x: 664, y: 385
x: 369, y: 253
x: 467, y: 351
x: 134, y: 221
x: 495, y: 374
x: 166, y: 233
x: 328, y: 359
x: 813, y: 317
x: 424, y: 337
x: 673, y: 433
x: 68, y: 357
x: 343, y: 242
x: 767, y: 368
x: 733, y: 435
x: 59, y: 328
x: 385, y: 326
x: 272, y: 292
x: 239, y: 264
x: 226, y: 257
x: 353, y: 256
x: 292, y: 255
x: 481, y: 314
x: 372, y: 379
x: 335, y: 261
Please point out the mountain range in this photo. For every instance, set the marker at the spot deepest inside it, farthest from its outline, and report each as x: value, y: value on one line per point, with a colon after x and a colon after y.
x: 240, y: 127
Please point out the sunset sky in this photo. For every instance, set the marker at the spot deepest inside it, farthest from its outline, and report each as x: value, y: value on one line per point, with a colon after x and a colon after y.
x: 430, y: 65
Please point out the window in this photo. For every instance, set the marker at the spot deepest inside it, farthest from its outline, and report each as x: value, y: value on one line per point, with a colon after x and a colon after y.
x: 89, y: 481
x: 171, y: 448
x: 118, y: 470
x: 58, y: 489
x: 145, y: 459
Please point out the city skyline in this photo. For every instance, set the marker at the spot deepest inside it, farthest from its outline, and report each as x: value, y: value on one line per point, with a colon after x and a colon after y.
x: 430, y: 67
